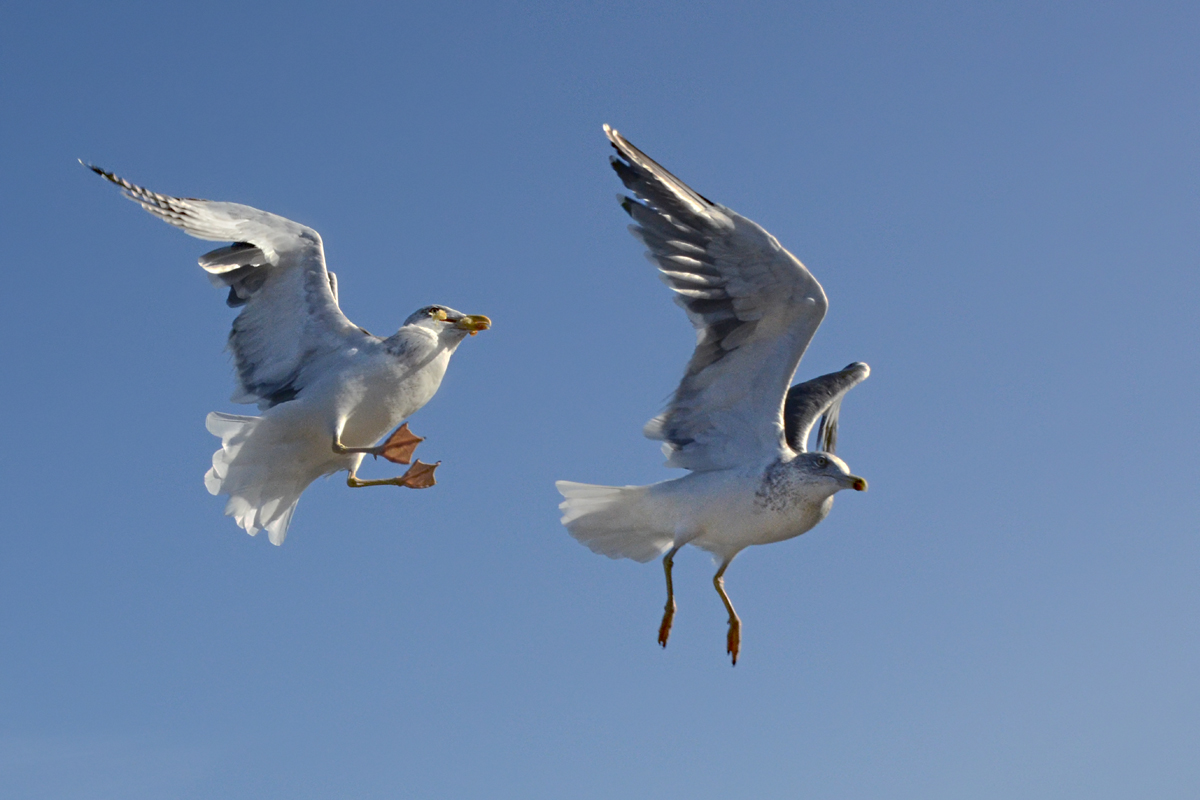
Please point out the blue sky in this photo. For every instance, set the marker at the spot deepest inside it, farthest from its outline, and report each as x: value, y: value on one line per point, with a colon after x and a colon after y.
x: 1001, y: 203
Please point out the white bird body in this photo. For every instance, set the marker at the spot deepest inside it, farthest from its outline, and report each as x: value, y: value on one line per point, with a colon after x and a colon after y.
x: 733, y: 422
x: 372, y: 389
x: 328, y: 390
x: 721, y: 511
x: 746, y: 507
x: 265, y: 463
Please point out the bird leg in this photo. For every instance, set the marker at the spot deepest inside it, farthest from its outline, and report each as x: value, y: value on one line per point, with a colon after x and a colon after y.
x: 398, y: 448
x: 734, y: 640
x: 419, y: 476
x: 664, y: 630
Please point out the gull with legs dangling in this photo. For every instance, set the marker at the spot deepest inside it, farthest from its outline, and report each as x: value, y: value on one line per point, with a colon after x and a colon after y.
x: 733, y: 421
x: 327, y: 389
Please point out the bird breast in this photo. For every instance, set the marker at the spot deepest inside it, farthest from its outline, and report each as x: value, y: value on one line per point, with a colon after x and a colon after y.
x: 726, y: 510
x: 386, y: 390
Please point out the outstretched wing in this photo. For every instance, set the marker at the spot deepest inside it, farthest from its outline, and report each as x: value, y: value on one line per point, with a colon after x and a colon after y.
x: 821, y: 397
x: 275, y: 270
x: 754, y: 306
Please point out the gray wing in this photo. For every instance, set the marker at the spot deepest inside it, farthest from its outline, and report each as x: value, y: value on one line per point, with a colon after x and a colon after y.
x: 821, y: 397
x: 755, y: 308
x: 275, y: 271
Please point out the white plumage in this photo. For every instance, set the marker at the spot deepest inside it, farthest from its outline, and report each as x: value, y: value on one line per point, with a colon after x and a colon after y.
x: 328, y: 389
x: 733, y: 421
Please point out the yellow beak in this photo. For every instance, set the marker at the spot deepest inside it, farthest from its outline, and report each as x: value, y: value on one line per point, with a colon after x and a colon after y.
x: 474, y: 323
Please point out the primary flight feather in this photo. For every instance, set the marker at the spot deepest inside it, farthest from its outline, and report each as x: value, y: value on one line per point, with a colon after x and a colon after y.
x: 733, y: 422
x: 327, y: 389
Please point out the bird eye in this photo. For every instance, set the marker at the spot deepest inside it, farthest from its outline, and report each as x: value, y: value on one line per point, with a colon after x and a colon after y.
x: 822, y: 462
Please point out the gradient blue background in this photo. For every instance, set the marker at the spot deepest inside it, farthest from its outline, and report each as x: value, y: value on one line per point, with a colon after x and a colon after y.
x: 1001, y: 203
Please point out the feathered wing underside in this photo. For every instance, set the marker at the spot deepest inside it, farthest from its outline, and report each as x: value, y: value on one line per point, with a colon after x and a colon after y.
x: 275, y: 271
x: 819, y: 398
x: 755, y: 308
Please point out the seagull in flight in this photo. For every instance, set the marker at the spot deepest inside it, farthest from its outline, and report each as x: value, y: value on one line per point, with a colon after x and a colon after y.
x: 327, y: 389
x: 733, y: 422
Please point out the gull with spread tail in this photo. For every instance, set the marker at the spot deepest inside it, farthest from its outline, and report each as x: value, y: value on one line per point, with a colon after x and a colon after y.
x: 327, y: 389
x: 733, y: 421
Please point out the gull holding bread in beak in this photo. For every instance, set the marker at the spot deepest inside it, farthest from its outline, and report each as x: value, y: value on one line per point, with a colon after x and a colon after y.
x: 733, y: 422
x: 327, y: 389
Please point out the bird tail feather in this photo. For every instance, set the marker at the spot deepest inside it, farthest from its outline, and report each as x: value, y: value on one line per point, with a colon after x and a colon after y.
x: 615, y: 521
x: 262, y: 492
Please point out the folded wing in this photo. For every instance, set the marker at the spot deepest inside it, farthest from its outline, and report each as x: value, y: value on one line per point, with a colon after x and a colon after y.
x: 755, y: 308
x: 275, y: 271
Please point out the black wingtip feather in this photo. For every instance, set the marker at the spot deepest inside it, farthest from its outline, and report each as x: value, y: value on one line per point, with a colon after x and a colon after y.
x: 630, y: 157
x: 103, y: 173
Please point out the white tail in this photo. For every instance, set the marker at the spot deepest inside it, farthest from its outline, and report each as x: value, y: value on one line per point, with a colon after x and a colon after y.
x: 263, y: 488
x: 612, y: 520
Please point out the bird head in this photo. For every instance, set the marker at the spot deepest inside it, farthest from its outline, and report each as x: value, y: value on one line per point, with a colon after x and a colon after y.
x: 828, y: 468
x: 445, y: 321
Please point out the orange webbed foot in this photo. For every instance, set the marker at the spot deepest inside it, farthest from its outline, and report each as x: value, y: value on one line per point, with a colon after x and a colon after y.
x: 419, y: 475
x: 400, y: 446
x: 664, y: 630
x: 733, y: 641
